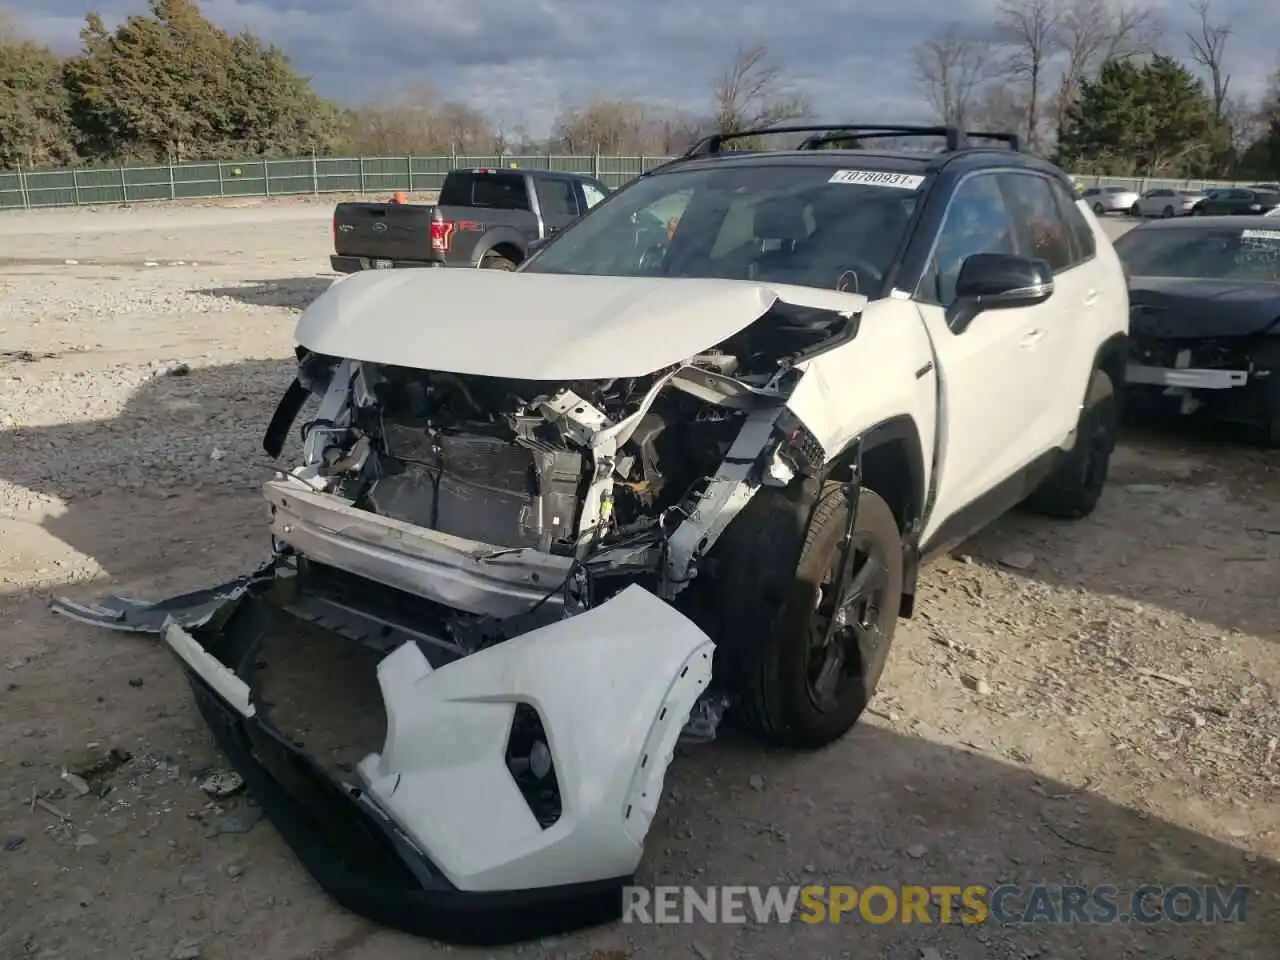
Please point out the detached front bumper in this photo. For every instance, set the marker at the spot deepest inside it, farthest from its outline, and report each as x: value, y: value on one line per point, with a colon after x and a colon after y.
x: 435, y: 834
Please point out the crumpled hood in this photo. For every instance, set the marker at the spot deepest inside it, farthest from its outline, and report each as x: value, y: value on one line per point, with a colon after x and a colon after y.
x: 1170, y: 308
x: 535, y: 326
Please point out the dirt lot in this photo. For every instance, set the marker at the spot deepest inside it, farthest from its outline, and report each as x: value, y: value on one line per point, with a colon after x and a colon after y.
x: 1091, y: 703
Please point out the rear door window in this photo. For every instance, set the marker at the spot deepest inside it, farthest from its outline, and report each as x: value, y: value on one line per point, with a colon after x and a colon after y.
x: 592, y: 194
x: 556, y: 197
x: 1084, y: 243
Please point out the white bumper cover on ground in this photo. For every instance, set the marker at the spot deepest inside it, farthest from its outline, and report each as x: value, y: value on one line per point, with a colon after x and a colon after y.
x: 613, y: 687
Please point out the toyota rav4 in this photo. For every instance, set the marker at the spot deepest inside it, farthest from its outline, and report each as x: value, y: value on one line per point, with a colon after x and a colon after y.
x: 690, y: 456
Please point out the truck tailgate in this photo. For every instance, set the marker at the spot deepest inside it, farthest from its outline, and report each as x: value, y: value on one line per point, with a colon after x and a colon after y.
x: 384, y: 231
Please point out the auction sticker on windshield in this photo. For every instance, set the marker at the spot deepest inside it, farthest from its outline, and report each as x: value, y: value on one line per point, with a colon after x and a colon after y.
x: 878, y: 178
x: 1260, y: 234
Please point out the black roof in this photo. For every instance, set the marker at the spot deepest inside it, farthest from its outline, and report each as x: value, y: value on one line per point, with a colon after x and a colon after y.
x: 893, y: 161
x: 963, y: 150
x: 525, y: 171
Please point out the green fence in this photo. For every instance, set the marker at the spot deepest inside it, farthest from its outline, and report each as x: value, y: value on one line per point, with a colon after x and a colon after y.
x: 26, y: 189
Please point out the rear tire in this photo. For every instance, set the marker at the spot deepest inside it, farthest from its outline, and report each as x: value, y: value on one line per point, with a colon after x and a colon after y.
x: 1269, y: 431
x: 1136, y: 211
x: 496, y: 261
x: 823, y: 656
x: 1072, y: 491
x: 1168, y: 212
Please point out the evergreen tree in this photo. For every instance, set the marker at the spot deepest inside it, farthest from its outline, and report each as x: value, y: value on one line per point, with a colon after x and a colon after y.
x: 35, y: 126
x: 1143, y: 119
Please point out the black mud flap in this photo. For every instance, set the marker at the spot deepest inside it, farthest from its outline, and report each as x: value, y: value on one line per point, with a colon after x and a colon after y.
x: 287, y: 411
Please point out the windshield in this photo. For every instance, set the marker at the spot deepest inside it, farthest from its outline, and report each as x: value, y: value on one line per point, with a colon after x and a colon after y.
x: 801, y: 224
x: 1217, y: 253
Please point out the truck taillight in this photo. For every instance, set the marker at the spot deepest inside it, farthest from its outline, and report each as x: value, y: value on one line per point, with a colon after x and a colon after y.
x: 441, y: 233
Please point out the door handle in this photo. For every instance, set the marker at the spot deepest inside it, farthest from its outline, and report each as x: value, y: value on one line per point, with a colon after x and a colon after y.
x: 1031, y: 339
x: 1091, y: 298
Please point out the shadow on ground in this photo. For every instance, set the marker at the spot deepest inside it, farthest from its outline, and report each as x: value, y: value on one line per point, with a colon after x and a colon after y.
x: 295, y: 292
x: 172, y: 480
x: 1189, y: 523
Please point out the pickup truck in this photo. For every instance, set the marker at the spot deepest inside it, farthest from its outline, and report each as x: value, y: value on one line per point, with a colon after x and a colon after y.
x: 484, y: 218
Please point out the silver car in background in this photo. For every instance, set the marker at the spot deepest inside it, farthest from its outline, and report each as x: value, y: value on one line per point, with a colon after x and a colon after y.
x: 1106, y: 200
x: 1166, y: 202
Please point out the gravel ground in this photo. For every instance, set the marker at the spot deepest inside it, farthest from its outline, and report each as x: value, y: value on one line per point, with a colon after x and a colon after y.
x: 1091, y: 703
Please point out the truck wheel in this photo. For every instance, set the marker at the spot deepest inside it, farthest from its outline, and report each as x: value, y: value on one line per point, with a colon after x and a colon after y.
x: 1072, y: 491
x: 496, y: 261
x: 824, y: 654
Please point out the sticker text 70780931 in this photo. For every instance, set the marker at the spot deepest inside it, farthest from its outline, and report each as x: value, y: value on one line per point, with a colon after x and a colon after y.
x: 878, y: 178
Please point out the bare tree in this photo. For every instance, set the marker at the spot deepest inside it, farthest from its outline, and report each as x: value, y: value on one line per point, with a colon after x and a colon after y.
x: 1246, y: 120
x: 602, y: 126
x: 752, y: 94
x: 421, y: 123
x: 998, y: 108
x: 1030, y: 34
x: 1208, y: 46
x: 1092, y: 32
x: 950, y: 67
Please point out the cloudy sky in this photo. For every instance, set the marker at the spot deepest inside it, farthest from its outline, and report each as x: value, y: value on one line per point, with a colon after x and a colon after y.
x: 523, y: 61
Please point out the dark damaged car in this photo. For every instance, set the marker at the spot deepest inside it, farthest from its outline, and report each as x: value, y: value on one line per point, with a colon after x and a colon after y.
x: 1204, y: 297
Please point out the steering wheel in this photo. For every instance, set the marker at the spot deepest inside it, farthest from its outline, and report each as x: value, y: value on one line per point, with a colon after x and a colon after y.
x: 859, y: 270
x: 652, y: 258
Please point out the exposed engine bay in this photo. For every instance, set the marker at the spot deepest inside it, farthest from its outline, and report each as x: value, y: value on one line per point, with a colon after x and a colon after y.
x: 515, y: 553
x: 622, y: 481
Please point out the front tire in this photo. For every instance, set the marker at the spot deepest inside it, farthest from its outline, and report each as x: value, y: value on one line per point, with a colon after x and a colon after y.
x: 1168, y: 212
x: 1072, y: 491
x: 827, y: 647
x: 1099, y: 209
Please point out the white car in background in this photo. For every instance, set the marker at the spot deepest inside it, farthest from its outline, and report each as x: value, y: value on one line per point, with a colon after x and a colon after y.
x: 1166, y: 202
x: 1104, y: 200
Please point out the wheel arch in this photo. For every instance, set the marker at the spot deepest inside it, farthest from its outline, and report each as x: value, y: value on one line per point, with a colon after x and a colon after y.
x: 889, y: 459
x: 1112, y: 358
x: 504, y: 241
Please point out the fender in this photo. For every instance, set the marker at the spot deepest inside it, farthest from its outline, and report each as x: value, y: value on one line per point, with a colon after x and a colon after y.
x: 494, y: 237
x: 1112, y: 356
x: 897, y: 474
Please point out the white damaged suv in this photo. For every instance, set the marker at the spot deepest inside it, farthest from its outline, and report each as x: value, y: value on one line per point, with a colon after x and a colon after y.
x: 690, y: 455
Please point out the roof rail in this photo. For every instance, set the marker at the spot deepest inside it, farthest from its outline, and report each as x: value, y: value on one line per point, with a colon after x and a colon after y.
x: 956, y: 139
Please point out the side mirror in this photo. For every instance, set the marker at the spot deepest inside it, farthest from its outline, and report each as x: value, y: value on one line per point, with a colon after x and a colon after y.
x: 998, y: 281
